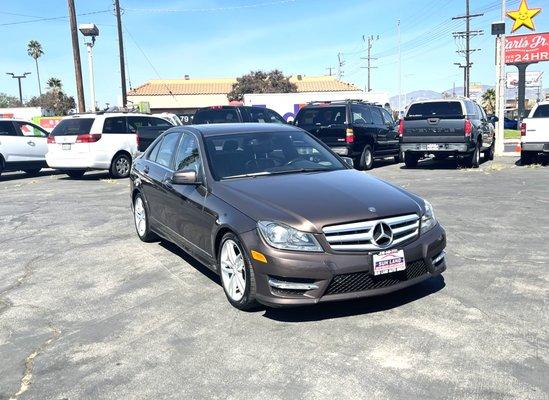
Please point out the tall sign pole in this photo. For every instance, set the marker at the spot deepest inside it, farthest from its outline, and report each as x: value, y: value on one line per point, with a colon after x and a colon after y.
x: 500, y: 85
x: 76, y: 56
x: 121, y: 51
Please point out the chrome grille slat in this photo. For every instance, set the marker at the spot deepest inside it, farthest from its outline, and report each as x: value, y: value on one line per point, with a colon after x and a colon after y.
x: 358, y: 236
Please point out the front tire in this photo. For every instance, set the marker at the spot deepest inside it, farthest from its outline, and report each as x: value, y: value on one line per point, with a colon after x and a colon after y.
x: 489, y: 154
x: 237, y: 275
x: 120, y: 166
x: 75, y: 173
x: 141, y: 219
x: 366, y: 159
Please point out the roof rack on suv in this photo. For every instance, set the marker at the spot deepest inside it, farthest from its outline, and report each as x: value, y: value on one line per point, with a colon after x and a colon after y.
x: 340, y: 101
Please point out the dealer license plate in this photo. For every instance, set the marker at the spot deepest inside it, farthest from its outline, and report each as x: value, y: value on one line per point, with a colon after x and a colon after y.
x: 389, y: 261
x: 66, y: 146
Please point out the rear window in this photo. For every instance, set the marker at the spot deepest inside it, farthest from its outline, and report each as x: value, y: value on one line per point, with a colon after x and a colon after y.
x: 321, y: 116
x: 73, y: 126
x: 216, y: 116
x: 435, y: 109
x: 542, y: 111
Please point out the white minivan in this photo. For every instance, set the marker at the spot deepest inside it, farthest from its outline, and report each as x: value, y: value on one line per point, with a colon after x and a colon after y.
x: 23, y: 146
x: 100, y: 141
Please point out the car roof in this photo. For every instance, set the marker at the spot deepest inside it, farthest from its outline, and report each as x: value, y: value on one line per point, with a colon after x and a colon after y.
x: 250, y: 127
x: 110, y: 114
x: 455, y: 99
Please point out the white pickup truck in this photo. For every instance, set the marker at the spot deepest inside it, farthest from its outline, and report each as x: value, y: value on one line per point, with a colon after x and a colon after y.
x: 534, y: 133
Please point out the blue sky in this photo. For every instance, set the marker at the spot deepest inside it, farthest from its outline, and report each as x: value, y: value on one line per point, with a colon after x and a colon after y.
x: 215, y: 38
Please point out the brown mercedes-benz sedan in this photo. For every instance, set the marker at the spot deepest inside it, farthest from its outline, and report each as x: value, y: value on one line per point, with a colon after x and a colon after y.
x: 282, y: 219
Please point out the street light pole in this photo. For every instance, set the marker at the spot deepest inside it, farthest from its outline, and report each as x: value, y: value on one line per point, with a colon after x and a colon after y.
x: 19, y: 77
x: 90, y: 30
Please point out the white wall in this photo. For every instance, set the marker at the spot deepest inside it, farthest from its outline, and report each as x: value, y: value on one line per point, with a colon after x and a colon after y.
x: 288, y: 104
x: 26, y: 113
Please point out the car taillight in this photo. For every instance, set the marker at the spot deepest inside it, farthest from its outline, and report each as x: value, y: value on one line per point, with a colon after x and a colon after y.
x: 88, y: 138
x: 523, y: 129
x: 401, y: 128
x: 468, y: 128
x: 51, y: 139
x: 349, y: 135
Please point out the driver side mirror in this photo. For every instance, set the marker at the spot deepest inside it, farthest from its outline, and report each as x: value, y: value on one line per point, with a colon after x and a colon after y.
x: 348, y: 161
x: 493, y: 119
x: 185, y: 177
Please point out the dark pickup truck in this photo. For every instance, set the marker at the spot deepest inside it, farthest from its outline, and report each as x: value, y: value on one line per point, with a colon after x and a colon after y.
x: 444, y: 128
x: 148, y: 134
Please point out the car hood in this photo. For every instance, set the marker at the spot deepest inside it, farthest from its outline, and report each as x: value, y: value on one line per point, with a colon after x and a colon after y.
x: 310, y: 201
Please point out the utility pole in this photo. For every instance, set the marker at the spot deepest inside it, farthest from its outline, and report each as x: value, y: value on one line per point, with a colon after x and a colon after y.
x: 340, y: 64
x: 329, y: 70
x: 121, y: 51
x: 467, y: 34
x: 19, y: 77
x: 76, y: 56
x: 370, y: 41
x: 399, y: 70
x: 464, y: 78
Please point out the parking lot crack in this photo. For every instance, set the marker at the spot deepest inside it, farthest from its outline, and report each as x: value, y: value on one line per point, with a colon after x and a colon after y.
x: 26, y: 379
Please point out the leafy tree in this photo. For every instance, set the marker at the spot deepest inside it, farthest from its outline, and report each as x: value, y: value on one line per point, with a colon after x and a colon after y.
x: 261, y: 82
x: 489, y: 101
x: 34, y: 49
x: 7, y: 101
x: 54, y: 99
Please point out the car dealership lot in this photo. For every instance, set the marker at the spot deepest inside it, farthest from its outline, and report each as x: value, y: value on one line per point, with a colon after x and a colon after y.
x: 89, y: 311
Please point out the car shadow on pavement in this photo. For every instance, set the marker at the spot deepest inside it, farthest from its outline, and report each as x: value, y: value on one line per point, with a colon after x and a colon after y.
x: 190, y: 260
x: 367, y: 305
x: 12, y: 176
x: 446, y: 164
x: 88, y: 176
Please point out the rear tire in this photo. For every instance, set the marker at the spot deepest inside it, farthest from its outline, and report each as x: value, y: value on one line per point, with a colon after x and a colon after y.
x: 32, y: 172
x: 75, y: 173
x: 366, y: 159
x: 410, y: 160
x: 473, y: 160
x: 236, y: 271
x: 141, y: 220
x: 120, y: 166
x: 1, y: 164
x: 526, y: 158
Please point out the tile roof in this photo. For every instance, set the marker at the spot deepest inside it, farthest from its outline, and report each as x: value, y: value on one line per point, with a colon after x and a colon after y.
x: 163, y: 87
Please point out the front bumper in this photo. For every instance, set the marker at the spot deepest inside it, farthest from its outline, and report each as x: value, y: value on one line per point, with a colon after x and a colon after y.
x: 428, y: 148
x: 331, y: 276
x: 538, y: 147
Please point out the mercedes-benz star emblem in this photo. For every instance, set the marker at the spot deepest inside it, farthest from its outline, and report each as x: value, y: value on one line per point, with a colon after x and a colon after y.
x: 382, y: 235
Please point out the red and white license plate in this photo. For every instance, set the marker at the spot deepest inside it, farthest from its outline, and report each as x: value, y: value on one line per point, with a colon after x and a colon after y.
x: 389, y: 261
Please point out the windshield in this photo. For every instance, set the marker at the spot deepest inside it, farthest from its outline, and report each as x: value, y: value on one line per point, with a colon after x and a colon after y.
x: 321, y: 116
x: 73, y: 126
x: 542, y: 111
x: 216, y: 116
x: 265, y: 153
x: 435, y: 109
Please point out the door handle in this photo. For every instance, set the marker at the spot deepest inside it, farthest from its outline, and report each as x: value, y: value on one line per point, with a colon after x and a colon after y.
x: 31, y: 143
x: 146, y: 170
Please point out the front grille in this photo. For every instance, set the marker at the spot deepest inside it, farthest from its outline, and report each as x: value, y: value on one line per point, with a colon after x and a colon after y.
x: 361, y: 281
x: 359, y: 236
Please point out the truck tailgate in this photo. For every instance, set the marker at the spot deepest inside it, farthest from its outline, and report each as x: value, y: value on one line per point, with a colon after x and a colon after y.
x: 433, y: 130
x: 537, y: 130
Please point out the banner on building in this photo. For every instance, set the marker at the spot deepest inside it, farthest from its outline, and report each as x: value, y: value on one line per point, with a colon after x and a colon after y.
x: 533, y: 79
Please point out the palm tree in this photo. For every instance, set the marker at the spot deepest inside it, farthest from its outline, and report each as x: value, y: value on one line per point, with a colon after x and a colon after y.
x: 34, y: 49
x: 54, y: 84
x: 489, y: 101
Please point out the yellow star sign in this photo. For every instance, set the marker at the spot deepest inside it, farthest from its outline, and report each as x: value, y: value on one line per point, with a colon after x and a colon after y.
x: 523, y: 16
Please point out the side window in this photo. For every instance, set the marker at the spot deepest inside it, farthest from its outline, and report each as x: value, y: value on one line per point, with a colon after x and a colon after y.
x: 134, y: 123
x: 115, y: 125
x: 166, y: 149
x: 376, y: 116
x: 274, y: 117
x: 7, y: 129
x: 258, y: 114
x: 159, y: 122
x: 360, y: 115
x: 153, y: 152
x: 470, y: 107
x: 387, y: 117
x: 188, y: 156
x: 31, y: 130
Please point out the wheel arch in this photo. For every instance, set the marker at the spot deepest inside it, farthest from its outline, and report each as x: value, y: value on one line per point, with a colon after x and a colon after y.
x: 126, y: 152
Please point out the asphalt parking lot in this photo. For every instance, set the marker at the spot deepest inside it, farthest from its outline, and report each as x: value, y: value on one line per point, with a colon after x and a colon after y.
x: 89, y: 311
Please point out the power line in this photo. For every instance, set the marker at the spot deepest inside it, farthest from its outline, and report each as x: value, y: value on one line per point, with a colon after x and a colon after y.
x: 38, y: 19
x: 211, y: 9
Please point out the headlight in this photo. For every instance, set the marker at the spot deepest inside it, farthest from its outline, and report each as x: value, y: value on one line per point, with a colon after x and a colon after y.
x: 287, y: 238
x: 428, y: 220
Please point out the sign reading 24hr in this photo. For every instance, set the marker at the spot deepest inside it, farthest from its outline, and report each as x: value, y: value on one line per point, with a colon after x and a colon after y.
x: 527, y: 48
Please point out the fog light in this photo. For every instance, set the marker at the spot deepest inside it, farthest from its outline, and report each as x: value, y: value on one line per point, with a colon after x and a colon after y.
x: 438, y: 259
x: 276, y: 283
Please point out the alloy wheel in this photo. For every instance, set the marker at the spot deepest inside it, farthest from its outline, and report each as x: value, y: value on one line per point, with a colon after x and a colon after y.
x: 140, y: 217
x: 233, y: 270
x: 122, y: 166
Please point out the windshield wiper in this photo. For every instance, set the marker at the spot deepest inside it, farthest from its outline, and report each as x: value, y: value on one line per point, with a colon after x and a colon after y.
x: 253, y: 175
x: 293, y: 171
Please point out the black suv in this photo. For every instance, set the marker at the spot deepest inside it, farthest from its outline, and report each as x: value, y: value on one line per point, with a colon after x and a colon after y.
x: 455, y: 127
x: 352, y: 128
x: 232, y: 114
